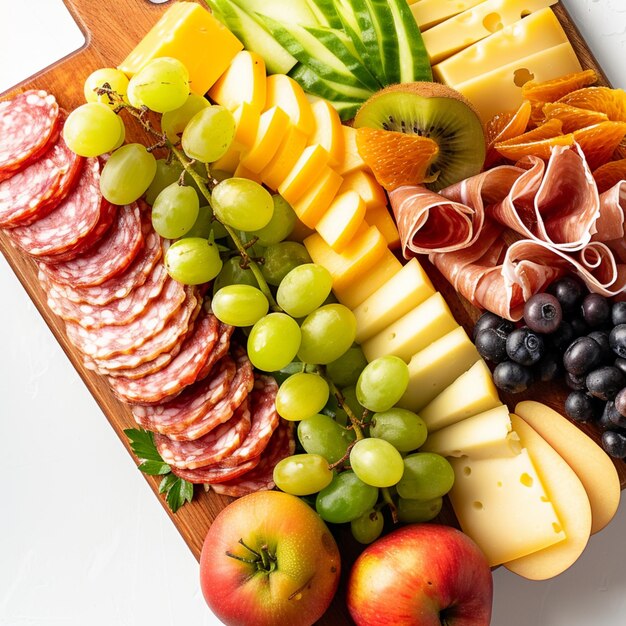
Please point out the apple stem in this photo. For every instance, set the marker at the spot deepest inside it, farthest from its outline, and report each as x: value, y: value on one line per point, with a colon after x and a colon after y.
x: 264, y: 559
x: 247, y: 547
x: 241, y: 558
x: 392, y: 505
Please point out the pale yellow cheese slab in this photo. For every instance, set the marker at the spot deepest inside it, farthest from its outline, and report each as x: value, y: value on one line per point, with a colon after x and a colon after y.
x: 366, y: 186
x: 427, y: 13
x: 342, y: 220
x: 380, y: 217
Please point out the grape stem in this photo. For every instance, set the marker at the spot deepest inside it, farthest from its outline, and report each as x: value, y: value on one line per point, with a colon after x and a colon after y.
x: 392, y: 505
x: 355, y: 423
x: 344, y: 458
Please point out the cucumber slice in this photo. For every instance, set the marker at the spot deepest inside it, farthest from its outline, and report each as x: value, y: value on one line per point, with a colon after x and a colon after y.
x: 326, y: 13
x: 253, y: 36
x: 288, y: 11
x: 386, y: 41
x: 351, y: 28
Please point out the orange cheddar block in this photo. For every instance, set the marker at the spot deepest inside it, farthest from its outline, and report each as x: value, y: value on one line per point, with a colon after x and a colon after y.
x: 247, y: 120
x: 352, y: 264
x: 189, y: 33
x: 342, y: 220
x: 243, y: 81
x: 243, y: 172
x: 353, y: 294
x: 366, y: 186
x: 315, y: 202
x: 328, y: 132
x: 284, y: 92
x: 352, y: 160
x: 306, y: 169
x: 273, y: 126
x: 381, y: 218
x: 288, y: 153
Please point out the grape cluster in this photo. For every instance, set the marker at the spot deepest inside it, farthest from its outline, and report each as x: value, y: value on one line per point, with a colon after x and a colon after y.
x: 572, y: 334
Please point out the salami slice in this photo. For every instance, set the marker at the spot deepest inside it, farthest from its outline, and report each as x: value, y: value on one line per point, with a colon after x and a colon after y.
x: 220, y: 349
x: 29, y: 125
x: 213, y: 474
x: 179, y: 373
x: 34, y: 191
x: 210, y: 448
x: 113, y: 254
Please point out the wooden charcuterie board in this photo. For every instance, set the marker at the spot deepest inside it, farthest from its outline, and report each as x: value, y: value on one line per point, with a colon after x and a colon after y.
x: 112, y: 28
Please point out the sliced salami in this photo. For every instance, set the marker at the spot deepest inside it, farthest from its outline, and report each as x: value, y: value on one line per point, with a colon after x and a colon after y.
x: 210, y: 448
x: 220, y: 349
x: 34, y: 191
x: 113, y: 254
x: 192, y: 403
x: 213, y: 474
x: 29, y: 125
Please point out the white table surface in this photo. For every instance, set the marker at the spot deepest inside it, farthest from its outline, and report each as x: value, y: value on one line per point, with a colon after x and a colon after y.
x: 83, y: 540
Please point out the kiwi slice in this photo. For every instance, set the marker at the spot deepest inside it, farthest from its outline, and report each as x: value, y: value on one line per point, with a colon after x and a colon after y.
x: 436, y: 111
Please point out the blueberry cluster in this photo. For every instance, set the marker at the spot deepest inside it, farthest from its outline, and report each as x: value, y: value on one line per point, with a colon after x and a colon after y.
x: 568, y: 333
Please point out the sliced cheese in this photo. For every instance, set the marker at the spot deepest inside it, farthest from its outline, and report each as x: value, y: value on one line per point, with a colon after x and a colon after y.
x: 284, y: 92
x: 352, y: 161
x: 308, y: 165
x: 470, y: 394
x: 501, y: 503
x: 328, y: 132
x: 367, y: 187
x: 243, y: 81
x: 311, y: 206
x: 354, y: 294
x: 243, y: 172
x: 408, y: 288
x: 247, y: 120
x: 342, y: 220
x: 381, y: 218
x: 537, y: 32
x: 501, y: 89
x: 570, y: 501
x: 286, y: 157
x: 432, y: 369
x: 426, y: 323
x: 485, y: 435
x: 475, y: 24
x: 427, y: 13
x: 273, y: 126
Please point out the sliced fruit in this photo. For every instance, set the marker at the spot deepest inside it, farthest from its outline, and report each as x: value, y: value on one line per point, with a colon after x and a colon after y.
x: 292, y: 11
x: 600, y: 141
x: 609, y: 174
x: 505, y: 126
x: 537, y: 142
x: 436, y: 112
x: 602, y: 99
x: 325, y: 12
x: 342, y: 220
x: 327, y: 133
x: 572, y: 118
x: 555, y: 88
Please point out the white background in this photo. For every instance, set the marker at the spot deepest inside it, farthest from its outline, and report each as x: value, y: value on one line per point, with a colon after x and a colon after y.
x: 82, y: 538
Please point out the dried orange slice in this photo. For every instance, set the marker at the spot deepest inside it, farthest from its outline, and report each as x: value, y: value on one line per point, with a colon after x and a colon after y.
x: 612, y: 102
x: 553, y: 90
x: 609, y: 174
x: 396, y: 159
x: 537, y: 142
x: 599, y: 141
x: 573, y: 118
x: 505, y: 126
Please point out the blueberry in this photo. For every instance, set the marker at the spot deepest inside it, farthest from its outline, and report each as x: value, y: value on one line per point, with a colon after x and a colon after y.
x: 577, y: 383
x: 602, y: 339
x: 617, y: 340
x: 491, y: 320
x: 614, y: 444
x: 525, y: 346
x: 491, y: 344
x: 618, y: 313
x: 568, y: 291
x: 620, y: 364
x: 605, y: 382
x: 579, y: 326
x: 542, y: 313
x: 561, y: 337
x: 549, y: 367
x: 605, y: 421
x: 580, y: 406
x: 620, y: 401
x: 512, y: 377
x: 596, y: 310
x: 582, y: 355
x: 615, y: 418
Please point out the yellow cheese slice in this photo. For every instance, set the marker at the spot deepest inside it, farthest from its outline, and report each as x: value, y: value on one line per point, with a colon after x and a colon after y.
x: 342, y: 220
x: 308, y: 165
x: 189, y: 33
x: 470, y: 394
x: 427, y: 13
x: 381, y: 218
x: 537, y: 32
x: 273, y: 126
x: 247, y: 120
x: 243, y: 172
x: 352, y: 160
x: 426, y: 323
x: 501, y: 503
x: 353, y: 295
x: 432, y: 369
x: 367, y: 187
x: 402, y: 293
x: 243, y: 81
x: 570, y: 501
x: 284, y: 92
x: 315, y: 202
x: 488, y: 434
x: 327, y: 131
x: 475, y: 24
x: 287, y: 155
x: 501, y: 89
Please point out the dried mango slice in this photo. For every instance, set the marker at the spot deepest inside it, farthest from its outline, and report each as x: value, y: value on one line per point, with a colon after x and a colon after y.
x: 553, y: 90
x: 609, y: 174
x: 612, y: 102
x: 537, y: 142
x: 599, y: 141
x: 505, y: 126
x: 573, y: 118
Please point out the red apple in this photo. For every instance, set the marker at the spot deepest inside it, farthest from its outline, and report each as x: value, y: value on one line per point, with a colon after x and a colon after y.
x: 269, y: 559
x: 421, y: 575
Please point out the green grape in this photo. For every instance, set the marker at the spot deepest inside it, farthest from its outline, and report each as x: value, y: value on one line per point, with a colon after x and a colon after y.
x: 346, y: 498
x: 382, y: 383
x: 193, y: 261
x: 117, y: 81
x: 91, y: 129
x: 166, y: 174
x: 415, y: 511
x: 304, y: 289
x: 242, y: 204
x: 368, y: 527
x: 208, y: 134
x: 302, y: 395
x: 426, y: 476
x: 281, y: 258
x: 205, y: 225
x: 127, y: 174
x: 326, y: 334
x: 255, y: 251
x: 321, y: 434
x: 273, y: 342
x: 281, y: 224
x: 302, y: 474
x: 345, y: 370
x: 175, y: 211
x: 233, y: 274
x: 161, y: 85
x: 173, y: 122
x: 239, y: 305
x: 376, y: 462
x: 403, y: 429
x: 349, y: 398
x: 122, y: 136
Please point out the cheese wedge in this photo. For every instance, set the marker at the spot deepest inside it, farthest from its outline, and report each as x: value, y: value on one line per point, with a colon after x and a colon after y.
x: 272, y: 128
x: 311, y: 206
x: 284, y: 92
x: 308, y: 165
x: 501, y: 503
x: 381, y: 218
x: 243, y: 81
x: 328, y: 132
x: 342, y: 220
x: 470, y: 394
x: 367, y: 187
x: 286, y: 157
x: 486, y: 435
x: 427, y: 13
x: 570, y: 501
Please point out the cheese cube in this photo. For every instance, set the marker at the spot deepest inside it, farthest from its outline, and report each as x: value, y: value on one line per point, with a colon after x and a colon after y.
x: 247, y: 120
x: 381, y: 218
x: 273, y: 126
x: 352, y: 160
x: 243, y: 81
x: 342, y: 220
x: 297, y: 181
x: 403, y: 292
x: 284, y: 92
x: 315, y: 202
x: 328, y: 132
x: 286, y: 156
x: 426, y: 323
x: 482, y: 436
x: 501, y: 503
x: 470, y: 394
x: 189, y: 33
x: 367, y: 187
x: 427, y: 13
x: 432, y: 369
